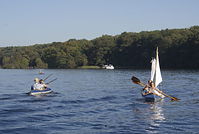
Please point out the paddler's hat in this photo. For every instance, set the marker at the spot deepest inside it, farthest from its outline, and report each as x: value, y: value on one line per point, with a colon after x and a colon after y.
x: 36, y: 79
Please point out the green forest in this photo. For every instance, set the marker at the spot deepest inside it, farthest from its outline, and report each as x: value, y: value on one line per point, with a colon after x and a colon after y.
x: 178, y: 49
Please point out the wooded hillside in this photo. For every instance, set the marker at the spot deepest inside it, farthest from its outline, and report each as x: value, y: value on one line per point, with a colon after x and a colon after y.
x: 178, y: 49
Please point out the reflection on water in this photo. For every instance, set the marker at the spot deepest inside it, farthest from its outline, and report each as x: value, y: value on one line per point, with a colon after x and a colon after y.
x: 97, y: 102
x: 157, y: 116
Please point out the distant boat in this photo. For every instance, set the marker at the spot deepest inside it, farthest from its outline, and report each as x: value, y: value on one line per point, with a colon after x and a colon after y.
x: 40, y: 72
x: 156, y: 77
x: 108, y: 66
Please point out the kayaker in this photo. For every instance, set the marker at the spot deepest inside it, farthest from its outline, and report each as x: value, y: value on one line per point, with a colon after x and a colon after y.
x: 35, y: 85
x: 43, y: 85
x: 151, y: 84
x: 146, y: 90
x: 154, y: 90
x: 39, y: 85
x: 148, y: 87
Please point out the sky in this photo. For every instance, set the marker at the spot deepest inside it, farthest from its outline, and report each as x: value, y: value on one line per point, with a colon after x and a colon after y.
x: 29, y: 22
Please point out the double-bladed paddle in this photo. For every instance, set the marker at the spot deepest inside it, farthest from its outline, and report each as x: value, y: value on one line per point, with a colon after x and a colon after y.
x: 51, y: 81
x: 47, y: 77
x: 137, y: 81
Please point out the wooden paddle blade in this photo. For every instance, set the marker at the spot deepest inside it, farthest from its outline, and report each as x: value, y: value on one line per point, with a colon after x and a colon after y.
x: 135, y: 79
x: 175, y: 99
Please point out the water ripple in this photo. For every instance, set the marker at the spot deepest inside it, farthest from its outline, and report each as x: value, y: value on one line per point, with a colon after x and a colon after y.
x: 99, y: 102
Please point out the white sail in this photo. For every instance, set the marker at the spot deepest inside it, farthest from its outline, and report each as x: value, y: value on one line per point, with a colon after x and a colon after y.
x: 157, y: 77
x: 153, y: 63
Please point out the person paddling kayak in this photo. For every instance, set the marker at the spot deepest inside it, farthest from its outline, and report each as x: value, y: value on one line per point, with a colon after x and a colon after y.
x: 150, y: 88
x: 38, y: 85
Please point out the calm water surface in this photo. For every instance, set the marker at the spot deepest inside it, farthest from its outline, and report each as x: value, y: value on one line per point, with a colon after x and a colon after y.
x: 97, y: 102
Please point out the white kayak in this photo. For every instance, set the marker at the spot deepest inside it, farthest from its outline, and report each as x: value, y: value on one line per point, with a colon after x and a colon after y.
x: 39, y: 92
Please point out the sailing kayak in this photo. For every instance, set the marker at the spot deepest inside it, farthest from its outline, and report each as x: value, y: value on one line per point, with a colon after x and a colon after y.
x: 39, y: 92
x: 156, y: 78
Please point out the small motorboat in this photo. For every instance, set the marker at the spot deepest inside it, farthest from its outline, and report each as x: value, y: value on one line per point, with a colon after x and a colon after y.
x: 108, y: 66
x: 40, y: 92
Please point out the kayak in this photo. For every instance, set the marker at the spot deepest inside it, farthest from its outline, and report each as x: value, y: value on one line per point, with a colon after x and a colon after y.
x: 151, y: 97
x: 39, y: 92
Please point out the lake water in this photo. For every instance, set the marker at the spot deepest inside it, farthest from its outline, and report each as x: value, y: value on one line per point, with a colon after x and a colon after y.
x: 97, y: 102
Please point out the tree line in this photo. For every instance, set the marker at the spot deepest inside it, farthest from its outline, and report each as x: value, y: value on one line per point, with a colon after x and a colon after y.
x: 178, y: 49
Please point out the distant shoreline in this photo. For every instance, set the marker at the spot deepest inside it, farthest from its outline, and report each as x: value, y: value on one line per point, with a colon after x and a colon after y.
x: 178, y: 49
